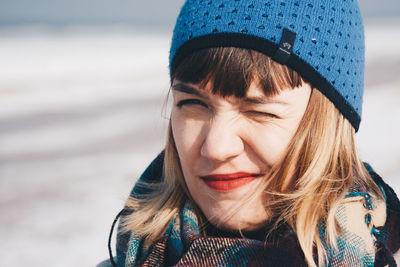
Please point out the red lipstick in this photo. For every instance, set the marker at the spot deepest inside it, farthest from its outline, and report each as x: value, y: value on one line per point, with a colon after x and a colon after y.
x: 228, y: 182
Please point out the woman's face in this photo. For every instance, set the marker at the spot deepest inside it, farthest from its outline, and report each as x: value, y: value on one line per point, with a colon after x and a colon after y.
x: 227, y: 145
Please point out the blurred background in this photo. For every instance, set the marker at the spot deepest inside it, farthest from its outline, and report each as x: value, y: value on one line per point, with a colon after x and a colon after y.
x: 82, y: 89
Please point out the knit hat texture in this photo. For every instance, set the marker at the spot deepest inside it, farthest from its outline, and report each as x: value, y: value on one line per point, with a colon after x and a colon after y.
x: 323, y: 40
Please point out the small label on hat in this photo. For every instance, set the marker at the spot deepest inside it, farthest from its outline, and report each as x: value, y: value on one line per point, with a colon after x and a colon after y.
x: 284, y: 50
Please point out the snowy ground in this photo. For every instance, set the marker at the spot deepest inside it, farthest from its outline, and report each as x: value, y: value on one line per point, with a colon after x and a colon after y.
x: 81, y: 114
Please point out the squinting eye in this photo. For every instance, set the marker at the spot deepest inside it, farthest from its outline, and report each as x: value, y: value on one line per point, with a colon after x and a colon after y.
x: 261, y: 114
x: 191, y: 102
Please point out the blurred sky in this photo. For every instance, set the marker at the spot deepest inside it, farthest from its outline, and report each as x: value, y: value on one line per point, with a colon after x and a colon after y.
x: 61, y: 12
x: 159, y: 13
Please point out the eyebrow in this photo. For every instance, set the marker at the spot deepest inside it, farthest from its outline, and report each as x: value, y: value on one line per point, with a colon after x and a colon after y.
x: 257, y: 100
x: 263, y: 100
x: 188, y: 89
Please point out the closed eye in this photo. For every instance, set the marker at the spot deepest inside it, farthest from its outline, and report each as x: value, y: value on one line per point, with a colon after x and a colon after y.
x: 260, y: 114
x: 188, y: 102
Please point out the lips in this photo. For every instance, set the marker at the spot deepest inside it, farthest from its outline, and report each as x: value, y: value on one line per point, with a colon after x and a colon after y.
x: 228, y: 182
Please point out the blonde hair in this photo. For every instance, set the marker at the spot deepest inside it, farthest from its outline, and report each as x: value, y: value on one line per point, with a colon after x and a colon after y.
x: 320, y: 166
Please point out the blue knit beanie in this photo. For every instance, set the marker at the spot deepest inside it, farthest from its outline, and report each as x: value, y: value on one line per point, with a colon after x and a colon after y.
x: 322, y: 40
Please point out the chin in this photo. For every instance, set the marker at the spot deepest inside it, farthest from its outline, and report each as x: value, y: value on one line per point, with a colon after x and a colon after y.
x: 229, y: 210
x: 244, y: 217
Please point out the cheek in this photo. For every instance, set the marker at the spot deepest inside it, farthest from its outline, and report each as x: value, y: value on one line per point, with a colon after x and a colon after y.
x: 270, y: 143
x: 187, y: 137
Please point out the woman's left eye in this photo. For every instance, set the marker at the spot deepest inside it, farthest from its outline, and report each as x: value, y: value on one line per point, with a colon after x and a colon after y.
x: 260, y: 114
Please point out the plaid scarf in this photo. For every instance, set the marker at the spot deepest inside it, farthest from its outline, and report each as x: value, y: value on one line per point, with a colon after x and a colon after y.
x: 184, y: 245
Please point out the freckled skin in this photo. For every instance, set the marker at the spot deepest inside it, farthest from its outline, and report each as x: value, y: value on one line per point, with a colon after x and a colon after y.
x: 215, y: 135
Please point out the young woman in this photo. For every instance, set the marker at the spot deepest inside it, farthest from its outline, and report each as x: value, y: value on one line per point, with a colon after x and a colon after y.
x: 260, y: 166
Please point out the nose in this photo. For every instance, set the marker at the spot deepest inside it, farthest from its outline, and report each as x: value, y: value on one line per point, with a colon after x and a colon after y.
x: 222, y: 141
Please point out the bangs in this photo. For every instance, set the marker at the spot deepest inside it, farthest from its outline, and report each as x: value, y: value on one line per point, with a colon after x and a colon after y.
x: 232, y: 70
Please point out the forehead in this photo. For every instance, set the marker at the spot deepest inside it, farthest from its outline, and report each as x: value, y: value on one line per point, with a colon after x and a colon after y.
x: 209, y: 88
x: 254, y: 95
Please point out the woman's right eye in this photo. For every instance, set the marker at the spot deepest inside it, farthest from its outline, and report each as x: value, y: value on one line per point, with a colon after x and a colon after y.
x: 189, y: 102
